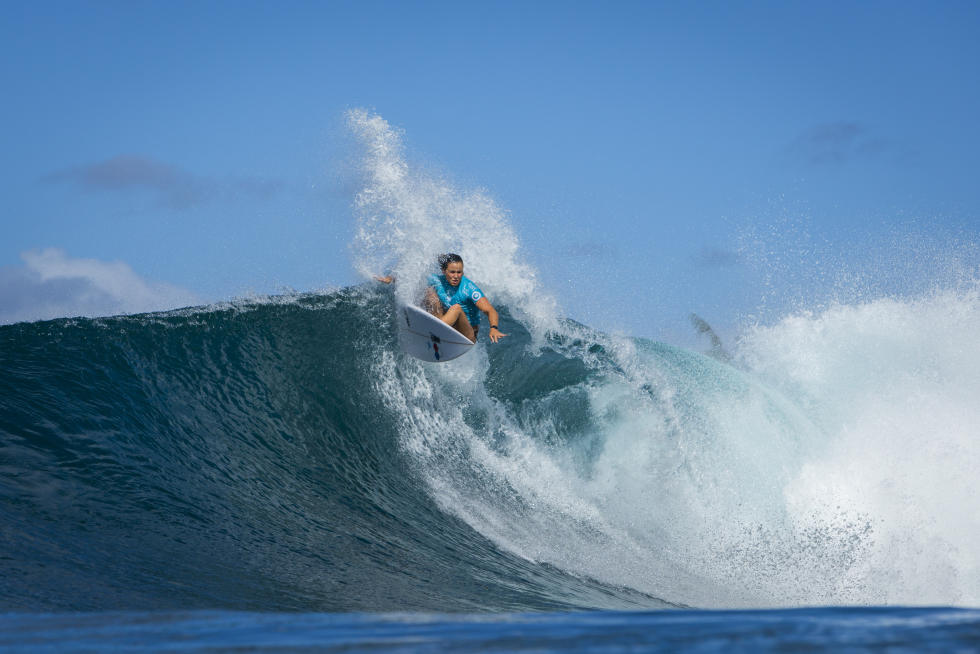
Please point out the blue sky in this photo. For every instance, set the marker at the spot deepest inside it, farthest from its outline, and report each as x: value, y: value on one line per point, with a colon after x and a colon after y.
x: 654, y: 158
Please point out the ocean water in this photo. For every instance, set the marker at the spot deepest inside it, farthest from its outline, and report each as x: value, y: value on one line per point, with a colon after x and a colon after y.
x: 274, y: 474
x: 837, y: 630
x: 273, y: 462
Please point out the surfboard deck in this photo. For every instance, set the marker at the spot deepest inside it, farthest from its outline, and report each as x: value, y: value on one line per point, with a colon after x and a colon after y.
x: 425, y: 337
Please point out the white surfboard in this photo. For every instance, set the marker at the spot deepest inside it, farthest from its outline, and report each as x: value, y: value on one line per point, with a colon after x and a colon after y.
x: 427, y: 338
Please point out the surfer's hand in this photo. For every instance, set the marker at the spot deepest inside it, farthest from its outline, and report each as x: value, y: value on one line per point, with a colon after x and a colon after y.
x: 384, y: 279
x: 495, y: 334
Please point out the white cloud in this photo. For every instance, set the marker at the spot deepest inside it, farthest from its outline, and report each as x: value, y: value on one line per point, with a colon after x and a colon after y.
x: 52, y: 284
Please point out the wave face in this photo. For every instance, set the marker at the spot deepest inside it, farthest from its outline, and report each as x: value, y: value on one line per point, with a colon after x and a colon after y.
x: 285, y: 455
x: 239, y: 456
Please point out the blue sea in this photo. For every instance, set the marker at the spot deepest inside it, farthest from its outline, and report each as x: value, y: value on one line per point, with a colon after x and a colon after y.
x: 838, y: 630
x: 269, y: 475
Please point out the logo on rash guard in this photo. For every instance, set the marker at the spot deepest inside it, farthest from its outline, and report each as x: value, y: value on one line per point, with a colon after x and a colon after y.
x: 476, y: 295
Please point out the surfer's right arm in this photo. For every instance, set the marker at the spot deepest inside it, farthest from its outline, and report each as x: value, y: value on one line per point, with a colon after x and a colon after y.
x: 385, y: 279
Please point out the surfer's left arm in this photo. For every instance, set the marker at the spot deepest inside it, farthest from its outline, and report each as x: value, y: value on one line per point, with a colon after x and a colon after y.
x: 483, y: 304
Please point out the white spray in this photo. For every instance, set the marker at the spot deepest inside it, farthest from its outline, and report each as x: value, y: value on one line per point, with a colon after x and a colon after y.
x: 836, y: 466
x: 406, y: 218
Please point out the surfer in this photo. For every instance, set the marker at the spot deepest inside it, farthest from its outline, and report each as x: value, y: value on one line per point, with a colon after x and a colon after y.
x: 456, y: 300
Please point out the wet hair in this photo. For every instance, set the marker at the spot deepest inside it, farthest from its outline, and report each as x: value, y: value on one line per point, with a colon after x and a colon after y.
x: 446, y: 259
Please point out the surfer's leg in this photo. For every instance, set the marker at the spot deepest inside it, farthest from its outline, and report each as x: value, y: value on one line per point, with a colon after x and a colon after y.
x: 462, y: 324
x: 456, y: 318
x: 451, y: 316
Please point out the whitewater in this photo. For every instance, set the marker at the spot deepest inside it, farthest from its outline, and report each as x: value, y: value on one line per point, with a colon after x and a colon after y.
x: 831, y: 463
x: 282, y: 453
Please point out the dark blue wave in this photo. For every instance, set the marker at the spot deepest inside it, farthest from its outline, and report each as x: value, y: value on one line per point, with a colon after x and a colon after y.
x: 238, y: 457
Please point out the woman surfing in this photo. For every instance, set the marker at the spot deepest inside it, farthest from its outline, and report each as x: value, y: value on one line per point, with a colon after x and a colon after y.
x: 456, y: 300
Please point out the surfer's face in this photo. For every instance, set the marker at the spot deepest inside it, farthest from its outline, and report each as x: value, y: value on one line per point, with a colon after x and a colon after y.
x: 453, y: 273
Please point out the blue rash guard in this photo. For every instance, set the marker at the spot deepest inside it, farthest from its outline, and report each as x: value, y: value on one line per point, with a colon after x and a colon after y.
x: 466, y: 294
